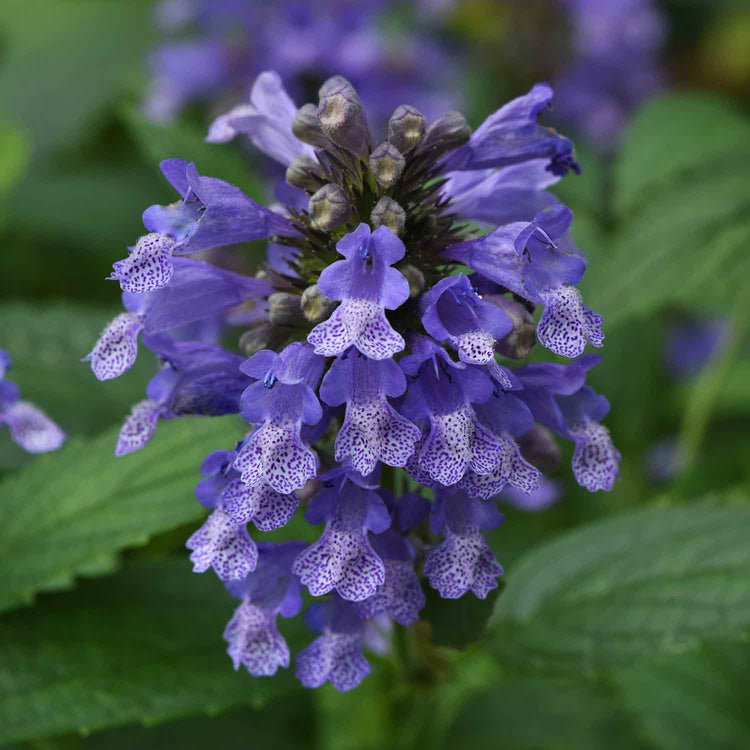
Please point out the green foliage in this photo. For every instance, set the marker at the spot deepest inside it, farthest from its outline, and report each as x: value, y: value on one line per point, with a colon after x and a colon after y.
x: 659, y: 580
x: 78, y: 54
x: 143, y: 645
x: 682, y: 195
x: 539, y: 712
x: 671, y: 138
x: 690, y: 701
x: 70, y: 512
x: 457, y: 623
x: 185, y: 140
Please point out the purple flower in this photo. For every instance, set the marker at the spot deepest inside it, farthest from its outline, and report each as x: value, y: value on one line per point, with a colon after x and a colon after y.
x: 372, y: 430
x: 367, y: 286
x: 195, y: 378
x: 343, y: 558
x: 148, y: 267
x: 30, y: 428
x: 463, y: 561
x: 559, y: 399
x: 524, y: 258
x: 614, y: 65
x: 267, y: 121
x: 223, y: 545
x: 693, y: 343
x: 455, y: 313
x: 400, y: 595
x: 211, y: 213
x: 512, y: 135
x: 230, y: 42
x: 196, y: 291
x: 336, y: 656
x: 280, y: 400
x: 253, y: 638
x: 443, y: 394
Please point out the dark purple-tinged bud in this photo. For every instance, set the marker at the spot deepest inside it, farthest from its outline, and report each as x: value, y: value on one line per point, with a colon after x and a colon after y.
x: 285, y: 309
x: 387, y: 164
x: 415, y: 278
x: 445, y: 134
x: 387, y: 212
x: 517, y: 344
x: 539, y: 447
x: 406, y: 127
x: 329, y: 207
x: 316, y: 307
x: 306, y: 127
x: 342, y: 118
x: 263, y: 336
x: 304, y: 172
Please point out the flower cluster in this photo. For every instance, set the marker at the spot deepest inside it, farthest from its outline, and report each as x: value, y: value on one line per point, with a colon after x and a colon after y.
x: 402, y: 279
x: 30, y: 428
x: 215, y: 45
x: 616, y: 46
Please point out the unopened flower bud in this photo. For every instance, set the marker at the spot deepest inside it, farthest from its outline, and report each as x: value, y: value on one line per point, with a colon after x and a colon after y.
x: 415, y: 278
x: 539, y: 447
x: 445, y: 134
x: 329, y: 208
x: 387, y: 164
x: 306, y: 127
x: 387, y: 212
x: 284, y: 309
x: 406, y: 127
x: 304, y: 172
x: 263, y: 336
x: 342, y: 118
x: 517, y: 344
x: 315, y: 305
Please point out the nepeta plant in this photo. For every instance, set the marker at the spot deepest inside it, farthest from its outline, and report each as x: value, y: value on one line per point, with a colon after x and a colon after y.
x: 30, y: 428
x: 378, y: 340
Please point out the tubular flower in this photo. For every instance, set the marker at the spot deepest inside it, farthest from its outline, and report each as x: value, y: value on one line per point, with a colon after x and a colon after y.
x: 30, y: 428
x: 378, y: 339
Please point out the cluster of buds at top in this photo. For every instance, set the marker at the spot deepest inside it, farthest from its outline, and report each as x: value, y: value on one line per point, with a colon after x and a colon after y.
x: 376, y: 342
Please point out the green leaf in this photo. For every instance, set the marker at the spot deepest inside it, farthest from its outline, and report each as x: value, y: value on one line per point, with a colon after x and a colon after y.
x: 691, y: 701
x: 184, y: 140
x: 63, y: 62
x: 680, y: 241
x: 672, y: 136
x: 144, y: 645
x: 70, y: 512
x: 457, y: 623
x: 534, y: 713
x: 46, y: 342
x: 659, y: 580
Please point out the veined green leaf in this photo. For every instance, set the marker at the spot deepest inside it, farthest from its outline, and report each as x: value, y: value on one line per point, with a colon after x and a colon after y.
x: 659, y: 580
x: 69, y: 513
x: 144, y: 645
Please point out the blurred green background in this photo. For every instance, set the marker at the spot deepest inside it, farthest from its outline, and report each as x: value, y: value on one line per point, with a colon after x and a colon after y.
x: 121, y: 634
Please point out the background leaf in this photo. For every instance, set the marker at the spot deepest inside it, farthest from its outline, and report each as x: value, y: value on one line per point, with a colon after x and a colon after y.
x: 457, y: 623
x: 672, y: 136
x: 70, y: 512
x: 534, y: 713
x: 79, y: 55
x: 662, y: 579
x: 691, y: 701
x: 186, y: 140
x: 143, y: 645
